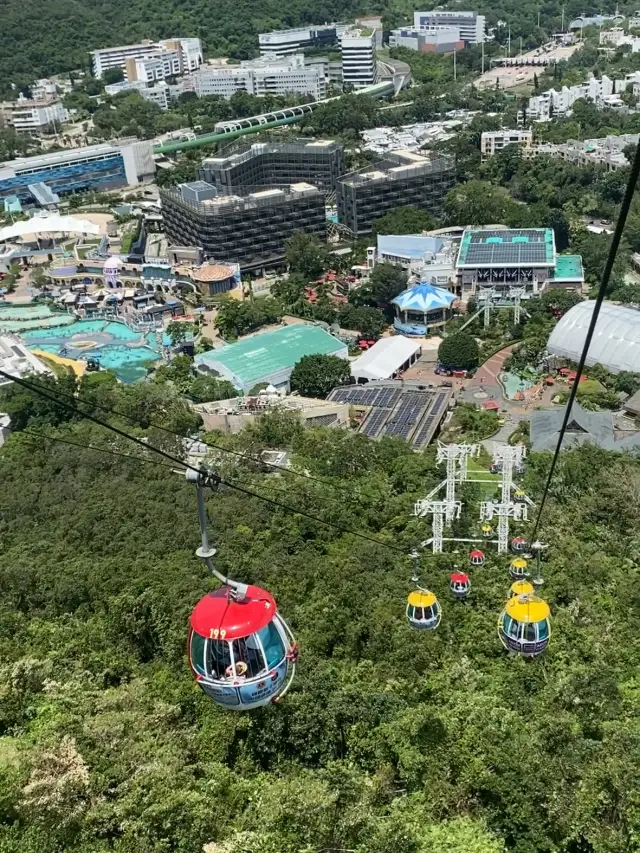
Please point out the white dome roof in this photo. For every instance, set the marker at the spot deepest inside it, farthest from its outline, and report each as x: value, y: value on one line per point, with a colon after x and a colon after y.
x: 616, y: 341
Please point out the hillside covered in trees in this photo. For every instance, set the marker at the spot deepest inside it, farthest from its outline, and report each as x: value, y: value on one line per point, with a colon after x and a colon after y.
x: 390, y: 740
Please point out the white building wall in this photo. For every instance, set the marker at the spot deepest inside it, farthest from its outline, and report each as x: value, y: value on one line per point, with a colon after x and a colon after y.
x: 190, y: 50
x: 472, y: 26
x: 262, y: 77
x: 358, y: 60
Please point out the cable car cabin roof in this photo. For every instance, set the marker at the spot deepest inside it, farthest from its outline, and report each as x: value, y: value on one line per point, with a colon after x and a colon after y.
x: 476, y: 553
x: 421, y: 599
x: 459, y: 577
x: 519, y: 563
x: 527, y: 608
x: 217, y: 612
x: 519, y: 539
x: 521, y: 588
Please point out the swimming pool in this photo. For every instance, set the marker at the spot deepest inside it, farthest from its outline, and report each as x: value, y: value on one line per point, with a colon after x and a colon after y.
x: 513, y: 384
x: 16, y: 318
x: 113, y: 344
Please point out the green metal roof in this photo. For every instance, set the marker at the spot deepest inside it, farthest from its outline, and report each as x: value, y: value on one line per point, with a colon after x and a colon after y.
x: 270, y: 356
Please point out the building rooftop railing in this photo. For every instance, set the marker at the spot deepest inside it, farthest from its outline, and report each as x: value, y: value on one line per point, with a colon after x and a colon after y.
x: 236, y: 153
x: 244, y: 198
x: 398, y: 168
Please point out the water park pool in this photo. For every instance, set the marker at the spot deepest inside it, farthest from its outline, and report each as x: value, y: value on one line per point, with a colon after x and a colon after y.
x: 514, y: 385
x: 17, y: 318
x: 113, y: 344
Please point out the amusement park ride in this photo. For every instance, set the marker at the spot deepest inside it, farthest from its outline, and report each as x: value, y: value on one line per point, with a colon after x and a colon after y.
x: 242, y: 652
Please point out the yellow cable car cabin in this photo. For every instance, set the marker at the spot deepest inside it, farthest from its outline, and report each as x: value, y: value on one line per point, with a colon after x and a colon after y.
x: 423, y: 610
x: 521, y: 588
x: 524, y: 626
x: 520, y: 495
x: 486, y: 530
x: 518, y: 569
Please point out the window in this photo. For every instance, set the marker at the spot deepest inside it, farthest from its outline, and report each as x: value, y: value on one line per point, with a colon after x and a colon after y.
x: 246, y: 650
x: 529, y: 633
x: 197, y: 653
x: 272, y: 644
x: 219, y: 658
x: 543, y: 630
x: 428, y: 613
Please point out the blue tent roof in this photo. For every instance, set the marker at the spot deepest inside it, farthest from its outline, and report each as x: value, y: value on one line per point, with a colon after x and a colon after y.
x: 423, y: 298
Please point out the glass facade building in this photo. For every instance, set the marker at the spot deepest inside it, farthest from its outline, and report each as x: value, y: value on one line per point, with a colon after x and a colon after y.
x: 249, y: 229
x: 272, y: 164
x: 402, y: 178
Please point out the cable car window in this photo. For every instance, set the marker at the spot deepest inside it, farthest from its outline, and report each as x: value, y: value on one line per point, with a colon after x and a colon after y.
x: 245, y: 650
x: 272, y: 644
x: 197, y: 653
x: 417, y: 613
x: 219, y: 658
x: 529, y: 633
x: 543, y: 630
x: 511, y: 627
x: 428, y: 613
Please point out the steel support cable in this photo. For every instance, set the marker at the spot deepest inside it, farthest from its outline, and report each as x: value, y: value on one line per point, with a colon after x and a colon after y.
x: 604, y: 283
x: 146, y: 446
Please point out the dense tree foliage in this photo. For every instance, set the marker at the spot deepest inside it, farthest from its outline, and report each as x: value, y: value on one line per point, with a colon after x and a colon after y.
x: 306, y: 255
x: 316, y: 375
x: 389, y: 740
x: 459, y: 350
x: 404, y: 220
x: 235, y: 318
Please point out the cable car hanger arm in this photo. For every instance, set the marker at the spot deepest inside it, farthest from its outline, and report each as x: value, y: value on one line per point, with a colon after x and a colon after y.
x: 202, y: 479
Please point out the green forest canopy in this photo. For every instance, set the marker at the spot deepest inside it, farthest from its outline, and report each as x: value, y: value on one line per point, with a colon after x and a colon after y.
x: 390, y: 740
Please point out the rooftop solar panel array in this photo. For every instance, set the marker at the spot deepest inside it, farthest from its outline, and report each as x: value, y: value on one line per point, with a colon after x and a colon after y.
x: 433, y: 417
x: 408, y: 414
x: 511, y: 247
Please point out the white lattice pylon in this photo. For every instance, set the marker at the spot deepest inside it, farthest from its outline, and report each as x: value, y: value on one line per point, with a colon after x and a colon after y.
x: 503, y: 511
x: 508, y: 456
x: 456, y: 456
x: 516, y: 293
x: 440, y: 510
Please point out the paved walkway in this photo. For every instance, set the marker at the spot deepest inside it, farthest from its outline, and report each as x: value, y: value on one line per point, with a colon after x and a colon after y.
x: 488, y: 373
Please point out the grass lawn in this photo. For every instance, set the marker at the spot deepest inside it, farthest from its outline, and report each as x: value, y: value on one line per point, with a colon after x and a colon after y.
x: 479, y: 472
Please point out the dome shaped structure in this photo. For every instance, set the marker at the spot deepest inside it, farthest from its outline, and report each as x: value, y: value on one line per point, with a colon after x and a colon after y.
x: 421, y: 308
x: 241, y: 651
x: 616, y: 341
x: 423, y: 610
x: 486, y: 530
x: 523, y: 626
x: 460, y: 585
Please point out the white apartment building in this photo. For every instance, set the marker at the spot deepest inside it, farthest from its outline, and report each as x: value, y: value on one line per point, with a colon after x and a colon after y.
x: 358, y: 50
x: 285, y: 42
x: 603, y: 93
x: 617, y: 37
x: 439, y: 40
x: 151, y: 69
x: 265, y: 76
x: 189, y: 49
x: 493, y: 141
x: 31, y: 116
x: 472, y: 26
x: 159, y: 94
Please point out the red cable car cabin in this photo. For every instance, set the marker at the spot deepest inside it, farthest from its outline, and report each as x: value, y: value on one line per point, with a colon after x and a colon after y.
x: 519, y: 544
x: 476, y: 558
x: 242, y: 652
x: 460, y: 585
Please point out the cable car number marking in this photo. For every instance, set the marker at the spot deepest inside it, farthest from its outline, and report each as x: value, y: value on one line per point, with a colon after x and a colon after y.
x: 214, y: 634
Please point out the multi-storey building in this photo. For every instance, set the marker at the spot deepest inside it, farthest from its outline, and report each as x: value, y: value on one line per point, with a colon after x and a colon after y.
x: 493, y: 141
x: 151, y: 69
x: 471, y: 25
x: 189, y: 50
x: 402, y: 178
x: 250, y: 228
x: 275, y: 164
x: 266, y: 76
x: 604, y: 92
x: 160, y: 94
x: 358, y: 51
x: 96, y: 167
x: 31, y: 116
x: 438, y: 40
x: 284, y: 42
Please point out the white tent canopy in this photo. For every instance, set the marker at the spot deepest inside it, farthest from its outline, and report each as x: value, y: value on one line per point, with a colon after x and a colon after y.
x: 384, y: 358
x: 53, y: 224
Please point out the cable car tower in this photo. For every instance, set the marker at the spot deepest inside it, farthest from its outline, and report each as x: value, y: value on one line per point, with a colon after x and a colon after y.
x: 508, y: 457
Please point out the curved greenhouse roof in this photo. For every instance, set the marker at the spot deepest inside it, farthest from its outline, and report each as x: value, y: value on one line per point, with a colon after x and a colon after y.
x: 616, y: 341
